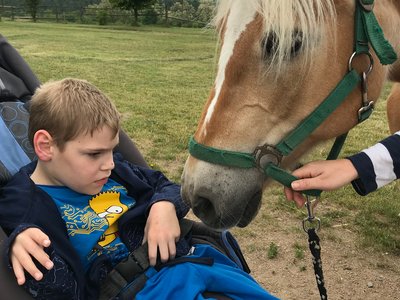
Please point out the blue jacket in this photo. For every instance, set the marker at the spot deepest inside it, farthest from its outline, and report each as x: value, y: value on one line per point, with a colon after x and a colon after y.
x: 24, y: 205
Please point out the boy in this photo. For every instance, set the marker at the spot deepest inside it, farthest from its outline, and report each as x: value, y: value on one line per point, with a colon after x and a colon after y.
x: 74, y: 129
x: 367, y: 171
x: 89, y: 209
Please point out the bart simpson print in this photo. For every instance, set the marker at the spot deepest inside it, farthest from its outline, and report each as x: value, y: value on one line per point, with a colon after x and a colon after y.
x: 107, y: 205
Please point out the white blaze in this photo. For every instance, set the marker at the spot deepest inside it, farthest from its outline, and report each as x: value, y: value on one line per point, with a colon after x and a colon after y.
x: 240, y: 14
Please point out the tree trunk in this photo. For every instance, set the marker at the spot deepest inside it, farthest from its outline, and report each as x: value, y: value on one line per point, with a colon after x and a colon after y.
x: 136, y: 14
x: 166, y: 14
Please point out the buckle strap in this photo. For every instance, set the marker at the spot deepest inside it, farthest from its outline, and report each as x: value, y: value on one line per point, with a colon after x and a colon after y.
x: 111, y: 287
x: 136, y: 263
x: 320, y: 114
x: 367, y: 29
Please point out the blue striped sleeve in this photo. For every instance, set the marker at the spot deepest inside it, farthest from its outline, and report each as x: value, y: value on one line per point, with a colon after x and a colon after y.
x: 377, y: 165
x: 365, y: 183
x: 392, y: 144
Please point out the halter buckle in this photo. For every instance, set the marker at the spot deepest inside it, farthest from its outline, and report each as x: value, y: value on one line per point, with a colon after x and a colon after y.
x: 367, y: 106
x: 265, y: 154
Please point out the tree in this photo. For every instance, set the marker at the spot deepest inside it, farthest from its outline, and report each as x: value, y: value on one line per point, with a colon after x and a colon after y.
x: 166, y: 4
x: 134, y: 5
x: 32, y: 8
x: 206, y: 10
x: 183, y: 10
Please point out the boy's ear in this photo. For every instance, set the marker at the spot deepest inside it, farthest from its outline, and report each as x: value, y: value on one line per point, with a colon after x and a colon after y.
x: 43, y: 144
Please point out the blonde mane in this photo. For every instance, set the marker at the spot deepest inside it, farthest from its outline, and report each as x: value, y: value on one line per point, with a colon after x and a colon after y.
x: 284, y: 18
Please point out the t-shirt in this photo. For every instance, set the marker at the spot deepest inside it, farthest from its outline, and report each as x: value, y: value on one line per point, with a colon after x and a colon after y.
x: 92, y: 221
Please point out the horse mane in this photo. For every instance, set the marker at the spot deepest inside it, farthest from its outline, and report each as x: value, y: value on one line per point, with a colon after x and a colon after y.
x: 284, y: 18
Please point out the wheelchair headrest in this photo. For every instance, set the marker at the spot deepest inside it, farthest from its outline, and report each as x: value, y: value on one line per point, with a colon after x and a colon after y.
x: 17, y: 80
x: 15, y: 148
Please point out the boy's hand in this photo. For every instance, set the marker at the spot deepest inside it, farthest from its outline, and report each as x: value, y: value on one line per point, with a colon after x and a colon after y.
x: 162, y: 231
x: 321, y: 175
x: 29, y: 243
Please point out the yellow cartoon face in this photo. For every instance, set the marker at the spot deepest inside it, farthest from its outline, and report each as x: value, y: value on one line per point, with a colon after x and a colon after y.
x: 107, y: 205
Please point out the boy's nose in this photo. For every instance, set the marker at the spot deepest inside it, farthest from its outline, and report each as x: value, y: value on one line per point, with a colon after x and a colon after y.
x: 108, y: 163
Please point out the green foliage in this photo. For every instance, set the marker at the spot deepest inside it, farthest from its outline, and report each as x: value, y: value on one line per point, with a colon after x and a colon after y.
x: 272, y: 250
x: 132, y: 4
x: 298, y: 251
x: 32, y: 6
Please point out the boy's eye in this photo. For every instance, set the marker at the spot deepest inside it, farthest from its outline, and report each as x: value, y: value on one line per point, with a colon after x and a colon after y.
x: 94, y: 154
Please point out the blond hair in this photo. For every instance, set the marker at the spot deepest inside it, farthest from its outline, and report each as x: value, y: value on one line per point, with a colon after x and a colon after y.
x: 70, y: 107
x: 311, y: 18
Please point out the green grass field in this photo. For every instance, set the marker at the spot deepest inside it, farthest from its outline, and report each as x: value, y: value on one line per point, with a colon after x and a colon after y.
x: 159, y: 79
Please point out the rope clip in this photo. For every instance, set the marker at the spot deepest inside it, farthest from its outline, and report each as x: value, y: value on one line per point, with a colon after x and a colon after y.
x: 311, y: 221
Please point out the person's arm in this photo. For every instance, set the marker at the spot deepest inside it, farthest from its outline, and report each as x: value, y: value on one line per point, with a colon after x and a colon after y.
x: 162, y: 231
x: 158, y: 204
x: 367, y: 171
x: 148, y: 186
x: 49, y: 277
x: 323, y: 175
x: 377, y: 165
x: 29, y: 243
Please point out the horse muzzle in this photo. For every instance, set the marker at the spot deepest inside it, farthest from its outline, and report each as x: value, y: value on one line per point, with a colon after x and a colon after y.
x: 222, y: 197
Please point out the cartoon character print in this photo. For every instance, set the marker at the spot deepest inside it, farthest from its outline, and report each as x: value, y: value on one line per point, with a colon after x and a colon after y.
x: 107, y: 205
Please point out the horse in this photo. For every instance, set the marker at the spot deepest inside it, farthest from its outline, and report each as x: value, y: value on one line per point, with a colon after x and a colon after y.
x: 278, y: 62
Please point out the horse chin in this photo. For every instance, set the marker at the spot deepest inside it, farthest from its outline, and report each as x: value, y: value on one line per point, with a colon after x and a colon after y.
x: 223, y: 197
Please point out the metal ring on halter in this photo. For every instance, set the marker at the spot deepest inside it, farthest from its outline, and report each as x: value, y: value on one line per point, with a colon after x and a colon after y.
x: 266, y: 154
x: 371, y: 61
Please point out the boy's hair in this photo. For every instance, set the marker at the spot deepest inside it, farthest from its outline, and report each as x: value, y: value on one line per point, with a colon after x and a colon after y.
x: 70, y: 107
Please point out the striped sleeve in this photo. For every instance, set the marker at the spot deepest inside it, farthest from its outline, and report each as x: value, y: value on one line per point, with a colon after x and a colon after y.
x: 377, y: 165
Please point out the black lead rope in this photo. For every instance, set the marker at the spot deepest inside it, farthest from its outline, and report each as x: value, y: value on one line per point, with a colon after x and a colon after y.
x: 315, y: 248
x: 311, y: 225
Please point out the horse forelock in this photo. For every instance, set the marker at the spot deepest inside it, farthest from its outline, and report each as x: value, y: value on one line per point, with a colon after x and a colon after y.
x: 285, y: 18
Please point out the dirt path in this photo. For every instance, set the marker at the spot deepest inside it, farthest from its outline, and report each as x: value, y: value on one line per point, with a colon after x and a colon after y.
x: 350, y: 272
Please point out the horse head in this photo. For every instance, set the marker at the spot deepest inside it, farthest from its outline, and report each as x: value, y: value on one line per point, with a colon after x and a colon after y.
x: 278, y: 60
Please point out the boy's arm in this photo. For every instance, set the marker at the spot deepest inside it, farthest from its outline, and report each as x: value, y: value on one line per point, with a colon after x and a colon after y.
x: 28, y: 243
x: 162, y: 231
x: 161, y: 187
x: 50, y: 278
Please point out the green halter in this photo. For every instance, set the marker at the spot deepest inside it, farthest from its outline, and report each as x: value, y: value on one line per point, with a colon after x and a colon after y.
x: 367, y: 31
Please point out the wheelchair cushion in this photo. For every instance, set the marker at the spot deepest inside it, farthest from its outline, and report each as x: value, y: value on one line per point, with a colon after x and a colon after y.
x: 15, y: 148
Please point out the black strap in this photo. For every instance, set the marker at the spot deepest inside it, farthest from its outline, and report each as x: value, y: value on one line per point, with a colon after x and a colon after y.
x: 315, y: 248
x: 134, y: 265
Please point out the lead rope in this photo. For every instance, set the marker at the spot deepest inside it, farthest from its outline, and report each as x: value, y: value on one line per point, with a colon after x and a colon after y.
x: 311, y: 225
x: 315, y: 248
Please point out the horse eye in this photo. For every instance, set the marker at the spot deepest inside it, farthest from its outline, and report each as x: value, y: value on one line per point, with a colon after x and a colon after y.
x: 297, y: 42
x: 269, y: 44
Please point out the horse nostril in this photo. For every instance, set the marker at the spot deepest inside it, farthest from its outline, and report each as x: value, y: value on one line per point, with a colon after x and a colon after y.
x: 204, y: 209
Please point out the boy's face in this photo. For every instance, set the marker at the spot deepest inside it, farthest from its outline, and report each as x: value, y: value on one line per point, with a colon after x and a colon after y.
x: 85, y: 163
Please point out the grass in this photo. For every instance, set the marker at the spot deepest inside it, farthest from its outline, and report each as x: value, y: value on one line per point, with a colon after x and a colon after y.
x: 159, y: 79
